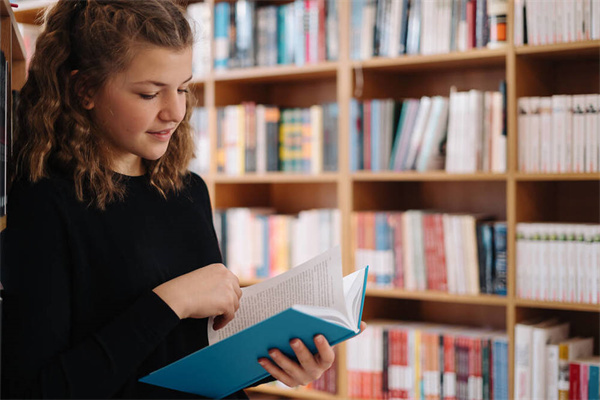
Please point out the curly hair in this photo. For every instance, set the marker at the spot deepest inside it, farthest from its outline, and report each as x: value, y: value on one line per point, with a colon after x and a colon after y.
x: 96, y: 38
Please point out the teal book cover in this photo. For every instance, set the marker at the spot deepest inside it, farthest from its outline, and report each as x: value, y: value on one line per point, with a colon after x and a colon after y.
x: 231, y: 364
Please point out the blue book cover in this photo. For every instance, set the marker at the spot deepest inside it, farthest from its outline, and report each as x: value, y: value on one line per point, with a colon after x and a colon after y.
x: 232, y: 364
x: 594, y: 383
x: 221, y: 35
x: 500, y: 258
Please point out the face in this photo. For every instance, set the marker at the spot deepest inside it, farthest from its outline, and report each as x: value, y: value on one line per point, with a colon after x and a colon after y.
x: 139, y: 108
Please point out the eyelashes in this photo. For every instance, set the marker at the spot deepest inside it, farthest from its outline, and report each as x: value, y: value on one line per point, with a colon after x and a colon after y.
x: 151, y: 96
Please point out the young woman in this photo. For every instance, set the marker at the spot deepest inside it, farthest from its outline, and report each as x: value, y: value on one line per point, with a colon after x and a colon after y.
x: 112, y: 264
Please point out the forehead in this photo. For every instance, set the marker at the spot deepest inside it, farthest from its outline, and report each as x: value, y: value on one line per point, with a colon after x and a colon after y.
x: 159, y: 64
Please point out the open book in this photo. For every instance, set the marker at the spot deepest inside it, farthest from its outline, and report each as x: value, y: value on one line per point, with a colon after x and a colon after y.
x: 310, y: 299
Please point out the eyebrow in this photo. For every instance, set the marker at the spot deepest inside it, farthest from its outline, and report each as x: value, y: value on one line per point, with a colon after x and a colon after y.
x: 160, y: 84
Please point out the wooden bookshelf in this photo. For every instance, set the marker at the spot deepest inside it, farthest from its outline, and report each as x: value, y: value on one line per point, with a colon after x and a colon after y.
x: 568, y: 68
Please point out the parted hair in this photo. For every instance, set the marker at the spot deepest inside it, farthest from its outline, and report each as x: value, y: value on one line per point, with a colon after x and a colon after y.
x: 95, y: 38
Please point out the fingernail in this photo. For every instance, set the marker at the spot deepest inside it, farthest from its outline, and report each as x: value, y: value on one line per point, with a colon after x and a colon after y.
x: 261, y: 362
x: 295, y: 343
x: 320, y: 339
x: 272, y: 353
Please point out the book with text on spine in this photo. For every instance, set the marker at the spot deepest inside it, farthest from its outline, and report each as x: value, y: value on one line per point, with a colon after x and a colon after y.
x: 307, y: 300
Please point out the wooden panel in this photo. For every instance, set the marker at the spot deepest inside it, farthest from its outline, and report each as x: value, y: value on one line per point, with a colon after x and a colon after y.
x: 452, y: 314
x: 285, y: 198
x: 378, y: 84
x: 570, y: 201
x: 541, y: 77
x: 198, y: 95
x: 468, y: 197
x: 284, y: 94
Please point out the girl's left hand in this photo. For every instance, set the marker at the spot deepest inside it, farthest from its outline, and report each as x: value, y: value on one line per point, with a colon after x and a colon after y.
x: 307, y: 369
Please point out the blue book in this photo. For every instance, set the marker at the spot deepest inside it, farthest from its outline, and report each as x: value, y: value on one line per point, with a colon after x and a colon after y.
x: 221, y: 35
x: 499, y: 272
x: 594, y: 382
x: 230, y: 363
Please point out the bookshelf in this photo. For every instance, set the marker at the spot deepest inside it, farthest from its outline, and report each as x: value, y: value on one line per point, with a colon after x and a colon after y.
x: 513, y: 196
x: 13, y: 48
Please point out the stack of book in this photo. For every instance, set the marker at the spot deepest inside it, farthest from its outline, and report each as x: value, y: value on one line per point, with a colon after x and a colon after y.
x: 389, y: 28
x: 300, y: 32
x: 556, y: 21
x: 559, y: 133
x: 558, y: 262
x: 463, y: 134
x: 550, y: 365
x: 259, y: 138
x: 200, y: 164
x: 417, y: 250
x: 257, y: 243
x: 404, y: 360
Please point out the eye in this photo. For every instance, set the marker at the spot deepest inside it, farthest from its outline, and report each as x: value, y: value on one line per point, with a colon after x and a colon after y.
x: 148, y: 96
x: 186, y: 90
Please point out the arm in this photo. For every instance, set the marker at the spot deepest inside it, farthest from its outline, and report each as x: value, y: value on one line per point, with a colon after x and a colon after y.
x: 39, y: 358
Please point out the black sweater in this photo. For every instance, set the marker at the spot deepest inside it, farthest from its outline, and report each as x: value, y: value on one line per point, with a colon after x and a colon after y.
x: 80, y: 317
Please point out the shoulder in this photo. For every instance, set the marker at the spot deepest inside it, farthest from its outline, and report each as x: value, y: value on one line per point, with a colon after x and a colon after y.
x: 196, y: 186
x: 51, y: 189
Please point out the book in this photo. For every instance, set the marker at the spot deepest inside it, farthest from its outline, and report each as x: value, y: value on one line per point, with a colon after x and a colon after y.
x: 310, y: 299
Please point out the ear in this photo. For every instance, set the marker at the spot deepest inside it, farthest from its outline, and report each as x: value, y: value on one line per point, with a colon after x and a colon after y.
x: 86, y: 99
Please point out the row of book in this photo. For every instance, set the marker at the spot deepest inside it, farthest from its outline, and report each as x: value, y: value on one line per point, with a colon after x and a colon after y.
x: 259, y: 138
x: 300, y: 32
x: 548, y: 363
x: 418, y: 250
x: 465, y: 133
x: 556, y: 21
x: 389, y: 28
x: 558, y: 262
x: 200, y: 164
x: 257, y: 243
x: 404, y: 360
x: 559, y: 133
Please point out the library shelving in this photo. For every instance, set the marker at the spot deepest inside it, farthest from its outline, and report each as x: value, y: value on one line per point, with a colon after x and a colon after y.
x: 512, y: 196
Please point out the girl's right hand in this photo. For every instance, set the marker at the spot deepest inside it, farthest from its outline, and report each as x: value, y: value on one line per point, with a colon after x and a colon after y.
x: 209, y: 291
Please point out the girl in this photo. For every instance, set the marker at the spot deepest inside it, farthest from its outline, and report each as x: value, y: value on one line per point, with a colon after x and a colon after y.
x: 112, y: 263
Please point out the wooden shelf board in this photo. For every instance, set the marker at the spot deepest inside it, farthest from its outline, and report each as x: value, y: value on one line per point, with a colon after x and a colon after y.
x: 2, y: 223
x: 425, y: 176
x: 277, y: 177
x: 470, y: 58
x: 557, y: 305
x: 583, y: 48
x: 482, y: 299
x: 18, y: 47
x: 593, y: 176
x: 277, y: 73
x: 293, y: 393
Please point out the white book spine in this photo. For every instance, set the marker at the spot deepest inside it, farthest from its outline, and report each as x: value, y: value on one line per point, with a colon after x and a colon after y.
x: 518, y: 20
x: 595, y: 19
x: 534, y: 135
x: 522, y: 365
x: 572, y: 266
x: 552, y: 372
x: 545, y: 134
x: 567, y: 137
x: 581, y: 247
x: 558, y: 119
x: 523, y: 127
x: 563, y: 264
x: 591, y: 133
x: 579, y: 20
x: 554, y: 264
x: 579, y: 117
x: 558, y: 21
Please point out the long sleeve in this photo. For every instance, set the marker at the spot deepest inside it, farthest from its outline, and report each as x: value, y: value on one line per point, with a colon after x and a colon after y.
x: 41, y: 356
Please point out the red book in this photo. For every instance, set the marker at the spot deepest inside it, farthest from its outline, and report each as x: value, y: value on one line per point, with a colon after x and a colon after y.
x: 471, y: 24
x: 574, y: 384
x: 322, y: 40
x: 440, y: 251
x: 449, y: 389
x: 395, y: 221
x: 429, y: 245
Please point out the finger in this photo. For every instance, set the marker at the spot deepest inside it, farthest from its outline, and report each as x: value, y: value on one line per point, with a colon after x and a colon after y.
x: 238, y: 291
x: 292, y: 368
x: 306, y: 359
x: 326, y: 355
x: 277, y: 372
x: 363, y: 326
x: 222, y: 320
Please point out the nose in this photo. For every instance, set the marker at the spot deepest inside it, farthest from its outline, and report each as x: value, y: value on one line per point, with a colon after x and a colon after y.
x: 173, y: 108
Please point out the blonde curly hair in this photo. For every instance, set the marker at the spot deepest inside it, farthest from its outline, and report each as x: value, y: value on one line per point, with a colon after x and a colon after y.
x: 97, y: 38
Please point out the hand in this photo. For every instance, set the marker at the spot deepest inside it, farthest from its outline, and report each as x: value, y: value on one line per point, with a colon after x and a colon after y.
x: 307, y: 369
x: 209, y: 291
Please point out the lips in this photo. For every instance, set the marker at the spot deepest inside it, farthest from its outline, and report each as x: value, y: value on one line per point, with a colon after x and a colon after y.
x: 163, y: 135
